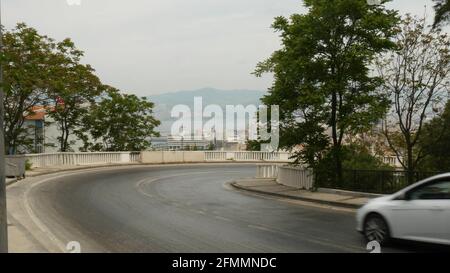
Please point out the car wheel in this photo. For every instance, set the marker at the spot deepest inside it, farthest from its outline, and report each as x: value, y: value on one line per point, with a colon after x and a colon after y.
x: 376, y: 229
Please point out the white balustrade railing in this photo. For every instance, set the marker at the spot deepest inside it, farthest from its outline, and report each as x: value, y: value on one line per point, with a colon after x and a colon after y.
x: 215, y: 156
x: 267, y: 171
x: 74, y: 159
x: 299, y: 178
x: 135, y: 157
x: 248, y: 156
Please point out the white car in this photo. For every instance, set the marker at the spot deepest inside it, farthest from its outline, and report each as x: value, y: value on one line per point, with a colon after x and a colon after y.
x: 420, y: 212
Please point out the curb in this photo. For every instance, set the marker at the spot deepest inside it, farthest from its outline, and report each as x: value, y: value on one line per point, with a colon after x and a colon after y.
x: 306, y: 199
x: 350, y: 193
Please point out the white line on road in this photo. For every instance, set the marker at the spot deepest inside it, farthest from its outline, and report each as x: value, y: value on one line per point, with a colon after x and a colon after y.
x: 223, y: 219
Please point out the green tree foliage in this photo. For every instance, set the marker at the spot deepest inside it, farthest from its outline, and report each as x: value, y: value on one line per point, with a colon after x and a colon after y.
x: 354, y: 157
x: 211, y: 147
x: 322, y: 77
x: 358, y: 157
x: 41, y: 72
x: 436, y: 143
x: 73, y: 87
x: 119, y: 122
x: 442, y: 8
x: 25, y: 59
x: 253, y: 145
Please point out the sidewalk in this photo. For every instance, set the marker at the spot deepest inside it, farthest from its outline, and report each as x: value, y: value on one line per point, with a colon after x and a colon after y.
x: 20, y: 240
x: 271, y: 187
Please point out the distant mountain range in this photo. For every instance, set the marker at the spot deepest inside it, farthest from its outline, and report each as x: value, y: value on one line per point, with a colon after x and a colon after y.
x: 165, y: 102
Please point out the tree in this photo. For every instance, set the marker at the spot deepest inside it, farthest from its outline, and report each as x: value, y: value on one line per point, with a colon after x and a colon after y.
x: 322, y: 80
x: 25, y: 59
x: 359, y: 157
x: 442, y: 8
x: 253, y: 145
x: 436, y: 143
x: 416, y: 76
x: 73, y: 88
x: 211, y: 147
x: 119, y: 122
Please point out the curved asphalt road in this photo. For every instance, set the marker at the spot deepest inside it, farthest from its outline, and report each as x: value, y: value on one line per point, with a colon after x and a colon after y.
x: 184, y: 209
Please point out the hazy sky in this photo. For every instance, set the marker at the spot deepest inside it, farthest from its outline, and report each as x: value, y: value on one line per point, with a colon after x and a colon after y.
x: 155, y: 46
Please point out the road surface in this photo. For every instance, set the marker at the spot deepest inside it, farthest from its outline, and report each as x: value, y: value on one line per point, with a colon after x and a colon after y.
x: 185, y: 208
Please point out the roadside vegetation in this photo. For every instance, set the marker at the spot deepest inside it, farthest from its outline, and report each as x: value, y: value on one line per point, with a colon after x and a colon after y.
x: 356, y: 81
x: 41, y: 73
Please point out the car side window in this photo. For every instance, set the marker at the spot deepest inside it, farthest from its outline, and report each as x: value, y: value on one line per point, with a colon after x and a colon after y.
x: 434, y: 191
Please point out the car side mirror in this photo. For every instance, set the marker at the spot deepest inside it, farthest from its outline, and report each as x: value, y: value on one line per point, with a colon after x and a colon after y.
x: 404, y: 197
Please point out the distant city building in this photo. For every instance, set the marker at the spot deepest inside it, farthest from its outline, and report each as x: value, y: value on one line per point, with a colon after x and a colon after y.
x: 187, y: 143
x: 177, y: 143
x: 159, y: 143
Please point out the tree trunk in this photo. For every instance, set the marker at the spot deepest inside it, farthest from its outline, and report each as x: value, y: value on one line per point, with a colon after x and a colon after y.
x: 12, y: 149
x: 64, y: 137
x: 66, y: 141
x: 410, y: 166
x: 339, y: 166
x: 337, y: 177
x: 61, y: 142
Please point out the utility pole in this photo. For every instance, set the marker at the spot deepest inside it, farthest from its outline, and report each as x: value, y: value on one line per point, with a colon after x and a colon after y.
x: 3, y: 218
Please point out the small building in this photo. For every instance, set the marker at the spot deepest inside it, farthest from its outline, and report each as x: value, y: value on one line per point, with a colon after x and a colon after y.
x: 35, y: 126
x: 44, y: 133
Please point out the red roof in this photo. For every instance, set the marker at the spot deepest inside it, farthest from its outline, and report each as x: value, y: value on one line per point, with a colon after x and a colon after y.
x: 38, y: 113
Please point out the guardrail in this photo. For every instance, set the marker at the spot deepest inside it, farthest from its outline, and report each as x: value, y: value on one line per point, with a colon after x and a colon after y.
x: 267, y: 171
x: 295, y: 177
x: 216, y: 156
x: 248, y: 156
x: 212, y: 156
x: 151, y: 157
x: 299, y: 178
x: 74, y: 159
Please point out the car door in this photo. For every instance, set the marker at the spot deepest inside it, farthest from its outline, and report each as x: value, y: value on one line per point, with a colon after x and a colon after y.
x: 424, y: 215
